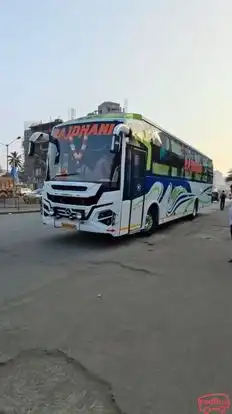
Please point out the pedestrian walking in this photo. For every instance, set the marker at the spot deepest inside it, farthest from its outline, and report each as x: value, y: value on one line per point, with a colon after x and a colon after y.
x: 222, y: 200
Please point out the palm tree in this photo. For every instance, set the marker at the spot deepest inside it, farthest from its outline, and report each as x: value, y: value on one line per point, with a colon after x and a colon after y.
x: 229, y: 176
x: 15, y: 159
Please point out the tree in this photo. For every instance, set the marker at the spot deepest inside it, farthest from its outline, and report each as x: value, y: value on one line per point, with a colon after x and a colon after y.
x: 15, y: 159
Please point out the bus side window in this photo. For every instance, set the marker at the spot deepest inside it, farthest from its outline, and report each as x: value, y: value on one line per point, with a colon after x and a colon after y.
x: 204, y: 174
x: 160, y: 165
x: 165, y: 154
x: 188, y: 174
x: 197, y: 177
x: 177, y: 159
x: 209, y: 174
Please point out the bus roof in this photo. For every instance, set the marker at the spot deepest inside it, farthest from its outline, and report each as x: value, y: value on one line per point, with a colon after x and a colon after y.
x: 122, y: 116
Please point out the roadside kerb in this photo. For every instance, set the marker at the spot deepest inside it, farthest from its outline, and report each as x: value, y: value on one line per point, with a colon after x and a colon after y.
x: 14, y: 210
x: 7, y: 212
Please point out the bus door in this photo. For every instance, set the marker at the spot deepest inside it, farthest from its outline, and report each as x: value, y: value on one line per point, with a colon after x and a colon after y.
x: 134, y: 187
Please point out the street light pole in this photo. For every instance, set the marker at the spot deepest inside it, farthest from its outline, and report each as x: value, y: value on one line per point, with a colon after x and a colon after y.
x: 7, y: 160
x: 7, y: 151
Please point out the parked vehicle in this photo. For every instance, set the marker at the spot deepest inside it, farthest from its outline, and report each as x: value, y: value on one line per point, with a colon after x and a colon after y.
x: 215, y: 196
x: 25, y: 191
x: 6, y: 186
x: 33, y: 197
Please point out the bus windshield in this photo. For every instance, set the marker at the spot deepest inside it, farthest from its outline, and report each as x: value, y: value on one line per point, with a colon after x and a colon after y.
x: 85, y: 153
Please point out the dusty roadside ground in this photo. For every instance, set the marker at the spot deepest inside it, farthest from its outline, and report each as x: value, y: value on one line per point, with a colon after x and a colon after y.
x: 51, y: 382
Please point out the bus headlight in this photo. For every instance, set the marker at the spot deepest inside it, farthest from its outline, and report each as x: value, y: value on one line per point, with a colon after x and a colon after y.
x: 107, y: 217
x: 51, y: 212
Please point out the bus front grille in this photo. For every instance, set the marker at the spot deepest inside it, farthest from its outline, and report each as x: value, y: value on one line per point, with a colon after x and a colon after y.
x: 75, y: 201
x: 67, y: 212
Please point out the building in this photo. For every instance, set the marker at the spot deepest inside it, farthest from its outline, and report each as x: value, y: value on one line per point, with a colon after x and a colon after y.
x: 219, y: 180
x: 35, y: 167
x: 108, y: 107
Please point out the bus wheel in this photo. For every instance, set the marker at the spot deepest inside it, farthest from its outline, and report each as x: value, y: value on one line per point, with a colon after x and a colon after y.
x: 195, y: 210
x: 151, y: 221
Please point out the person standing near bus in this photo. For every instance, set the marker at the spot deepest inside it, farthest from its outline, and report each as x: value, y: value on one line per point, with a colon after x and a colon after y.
x: 222, y: 200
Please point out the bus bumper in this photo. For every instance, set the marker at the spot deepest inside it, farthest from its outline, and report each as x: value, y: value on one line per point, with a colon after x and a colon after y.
x: 91, y: 226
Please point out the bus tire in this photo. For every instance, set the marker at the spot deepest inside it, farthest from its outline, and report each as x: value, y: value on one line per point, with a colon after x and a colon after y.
x: 151, y: 222
x: 195, y: 210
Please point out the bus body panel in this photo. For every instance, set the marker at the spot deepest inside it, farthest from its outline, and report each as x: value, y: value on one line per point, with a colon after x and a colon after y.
x: 175, y: 197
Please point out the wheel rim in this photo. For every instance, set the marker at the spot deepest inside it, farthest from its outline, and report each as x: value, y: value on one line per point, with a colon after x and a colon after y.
x: 149, y: 222
x: 194, y: 211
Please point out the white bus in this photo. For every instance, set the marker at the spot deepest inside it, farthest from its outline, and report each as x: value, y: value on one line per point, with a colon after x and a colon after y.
x: 120, y: 174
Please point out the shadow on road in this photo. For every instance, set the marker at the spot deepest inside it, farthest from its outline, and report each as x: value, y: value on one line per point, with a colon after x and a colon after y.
x: 90, y: 240
x: 75, y: 240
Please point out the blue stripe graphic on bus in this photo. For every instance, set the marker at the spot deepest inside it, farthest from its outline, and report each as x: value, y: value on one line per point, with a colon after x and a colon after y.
x: 166, y: 181
x: 183, y: 199
x: 176, y: 194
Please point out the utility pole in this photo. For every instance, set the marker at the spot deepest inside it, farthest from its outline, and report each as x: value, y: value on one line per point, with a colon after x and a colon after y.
x: 125, y: 107
x: 7, y: 151
x: 7, y: 158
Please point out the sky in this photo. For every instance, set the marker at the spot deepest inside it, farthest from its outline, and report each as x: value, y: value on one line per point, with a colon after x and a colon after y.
x: 171, y: 59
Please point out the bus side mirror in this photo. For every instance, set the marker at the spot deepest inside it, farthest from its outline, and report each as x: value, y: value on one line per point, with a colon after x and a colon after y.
x: 55, y: 141
x: 116, y: 143
x: 31, y: 149
x: 36, y: 138
x: 57, y: 159
x: 119, y: 131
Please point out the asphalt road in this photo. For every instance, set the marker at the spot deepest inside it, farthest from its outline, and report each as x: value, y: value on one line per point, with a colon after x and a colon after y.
x: 83, y: 318
x: 32, y: 255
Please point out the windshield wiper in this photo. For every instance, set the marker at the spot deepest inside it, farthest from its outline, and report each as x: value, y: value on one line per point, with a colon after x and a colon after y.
x: 67, y: 175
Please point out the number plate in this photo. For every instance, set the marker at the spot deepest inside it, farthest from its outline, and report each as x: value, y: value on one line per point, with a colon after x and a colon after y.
x: 68, y: 226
